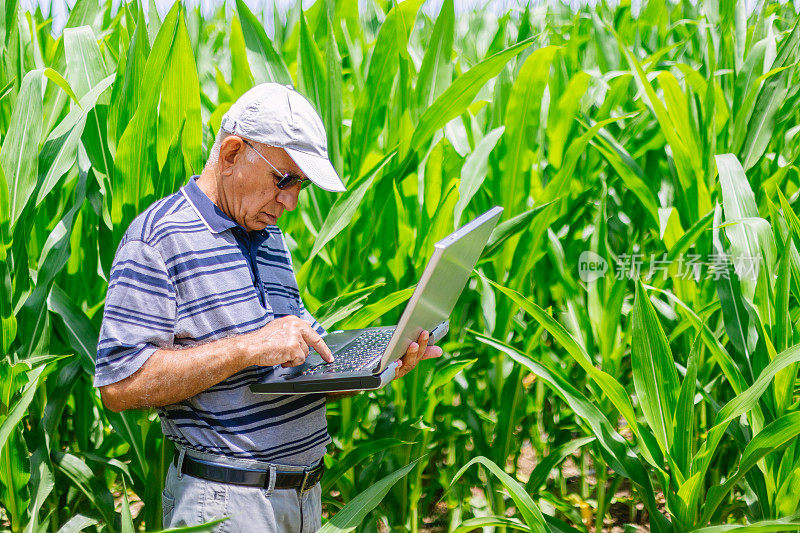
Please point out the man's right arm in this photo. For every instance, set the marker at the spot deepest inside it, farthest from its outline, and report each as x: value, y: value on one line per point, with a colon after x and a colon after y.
x: 172, y: 375
x: 137, y: 365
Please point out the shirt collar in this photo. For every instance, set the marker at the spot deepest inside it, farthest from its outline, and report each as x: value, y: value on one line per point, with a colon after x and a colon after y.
x: 211, y: 215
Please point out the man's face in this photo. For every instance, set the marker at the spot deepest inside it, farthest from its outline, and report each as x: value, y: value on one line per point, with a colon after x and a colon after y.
x: 249, y: 192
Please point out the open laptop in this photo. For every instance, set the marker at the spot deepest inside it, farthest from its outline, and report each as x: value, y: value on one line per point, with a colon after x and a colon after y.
x: 367, y: 358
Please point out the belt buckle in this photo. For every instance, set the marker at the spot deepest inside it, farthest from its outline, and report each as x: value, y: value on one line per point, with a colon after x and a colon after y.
x: 311, y: 477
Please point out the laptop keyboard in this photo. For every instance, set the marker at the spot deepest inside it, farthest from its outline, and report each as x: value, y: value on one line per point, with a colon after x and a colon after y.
x: 356, y: 355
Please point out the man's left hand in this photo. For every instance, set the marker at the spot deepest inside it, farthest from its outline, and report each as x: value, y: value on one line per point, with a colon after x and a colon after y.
x: 415, y: 353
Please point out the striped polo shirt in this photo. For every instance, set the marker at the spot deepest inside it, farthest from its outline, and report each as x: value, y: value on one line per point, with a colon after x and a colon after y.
x: 185, y: 273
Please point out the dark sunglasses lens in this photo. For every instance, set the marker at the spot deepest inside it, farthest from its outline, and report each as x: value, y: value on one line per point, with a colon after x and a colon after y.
x: 286, y: 181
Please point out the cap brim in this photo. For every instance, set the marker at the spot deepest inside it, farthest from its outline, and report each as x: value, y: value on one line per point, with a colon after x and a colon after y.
x: 318, y: 169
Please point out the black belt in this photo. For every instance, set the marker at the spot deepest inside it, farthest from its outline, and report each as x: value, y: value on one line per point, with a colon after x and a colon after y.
x: 302, y: 481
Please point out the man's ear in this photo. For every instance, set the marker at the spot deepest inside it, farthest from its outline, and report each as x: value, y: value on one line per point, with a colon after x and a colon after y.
x: 229, y: 151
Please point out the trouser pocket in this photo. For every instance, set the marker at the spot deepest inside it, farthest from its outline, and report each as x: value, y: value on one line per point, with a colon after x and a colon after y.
x: 167, y: 506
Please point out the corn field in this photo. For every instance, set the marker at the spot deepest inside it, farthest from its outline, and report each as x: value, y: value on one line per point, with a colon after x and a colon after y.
x: 626, y: 354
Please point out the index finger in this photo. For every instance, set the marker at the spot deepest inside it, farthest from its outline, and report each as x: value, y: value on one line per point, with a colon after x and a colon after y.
x: 314, y: 340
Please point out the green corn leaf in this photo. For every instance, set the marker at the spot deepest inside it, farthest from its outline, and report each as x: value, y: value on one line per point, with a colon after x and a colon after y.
x: 741, y: 404
x: 690, y: 237
x: 343, y: 305
x: 77, y: 523
x: 474, y: 172
x: 85, y: 70
x: 179, y: 109
x: 560, y: 119
x: 472, y: 524
x: 522, y: 118
x: 541, y: 472
x: 90, y: 485
x: 136, y: 164
x: 5, y: 91
x: 772, y: 437
x: 558, y: 526
x: 346, y: 205
x: 654, y: 375
x: 311, y: 70
x: 687, y: 498
x: 241, y: 76
x: 693, y: 191
x: 14, y: 489
x: 683, y: 421
x: 771, y: 96
x: 127, y: 425
x: 436, y: 71
x: 355, y: 457
x: 8, y: 322
x: 455, y: 99
x: 175, y: 170
x: 513, y: 226
x: 267, y: 65
x: 127, y: 90
x: 54, y: 255
x: 525, y: 505
x: 446, y: 375
x: 721, y: 355
x: 575, y: 151
x: 748, y: 399
x: 608, y: 437
x: 80, y: 331
x: 790, y: 523
x: 788, y: 496
x: 675, y: 100
x: 747, y: 87
x: 19, y: 155
x: 332, y: 110
x: 611, y: 387
x: 367, y: 314
x: 5, y: 214
x: 55, y: 251
x: 616, y: 450
x: 737, y: 195
x: 85, y: 65
x: 629, y: 171
x: 83, y: 13
x: 352, y: 514
x: 370, y: 112
x: 20, y: 407
x: 783, y: 332
x: 792, y: 220
x: 60, y: 150
x: 125, y: 518
x: 42, y: 483
x: 154, y: 22
x: 59, y: 80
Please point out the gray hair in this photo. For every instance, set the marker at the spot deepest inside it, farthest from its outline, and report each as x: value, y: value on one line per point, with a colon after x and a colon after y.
x: 213, y: 156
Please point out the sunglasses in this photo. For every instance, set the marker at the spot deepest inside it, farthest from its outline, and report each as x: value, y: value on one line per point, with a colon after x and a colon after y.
x: 286, y: 180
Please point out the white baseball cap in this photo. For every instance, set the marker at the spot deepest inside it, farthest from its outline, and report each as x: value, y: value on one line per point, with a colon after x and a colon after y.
x: 277, y: 115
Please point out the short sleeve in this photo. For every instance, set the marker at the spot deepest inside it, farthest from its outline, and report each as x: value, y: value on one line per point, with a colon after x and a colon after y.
x: 305, y: 315
x: 139, y: 314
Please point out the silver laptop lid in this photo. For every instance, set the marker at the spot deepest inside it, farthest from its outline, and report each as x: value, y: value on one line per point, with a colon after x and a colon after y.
x: 441, y: 283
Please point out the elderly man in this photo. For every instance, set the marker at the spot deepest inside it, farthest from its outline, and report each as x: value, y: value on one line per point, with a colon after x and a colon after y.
x: 202, y: 301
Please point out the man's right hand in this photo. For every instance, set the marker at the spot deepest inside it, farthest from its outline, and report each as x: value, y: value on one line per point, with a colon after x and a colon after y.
x: 284, y: 341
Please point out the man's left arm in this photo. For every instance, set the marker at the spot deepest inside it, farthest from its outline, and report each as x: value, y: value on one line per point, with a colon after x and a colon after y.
x: 416, y: 352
